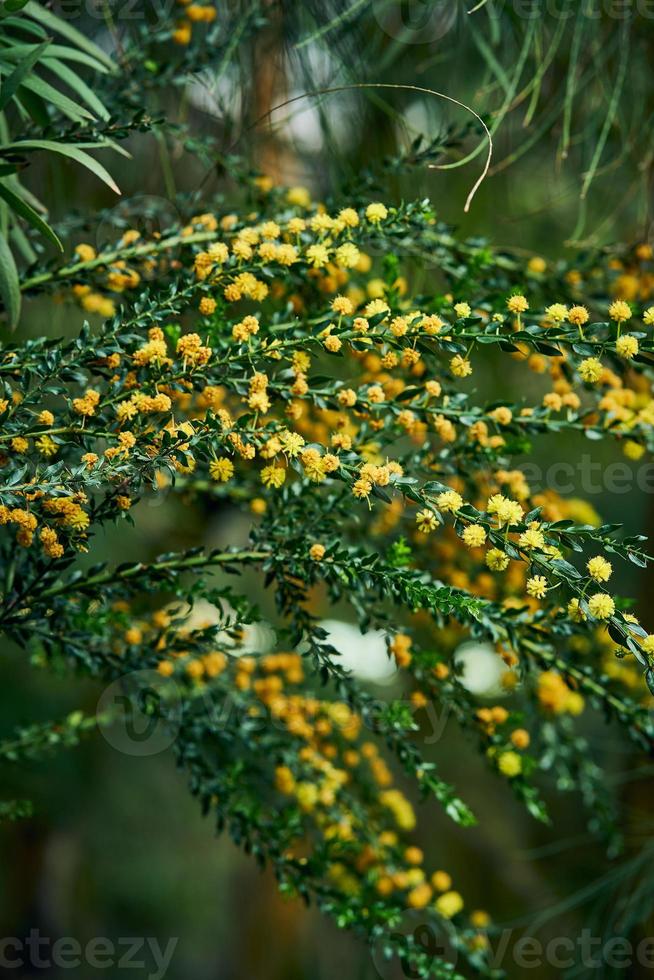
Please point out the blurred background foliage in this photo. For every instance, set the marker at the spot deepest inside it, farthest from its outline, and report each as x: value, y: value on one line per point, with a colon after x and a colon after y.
x: 116, y: 846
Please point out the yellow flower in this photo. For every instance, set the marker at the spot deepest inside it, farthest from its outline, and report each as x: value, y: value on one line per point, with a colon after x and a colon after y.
x: 633, y: 450
x: 286, y: 254
x: 537, y: 586
x: 450, y: 501
x: 307, y: 795
x: 85, y: 253
x: 46, y: 446
x: 273, y: 476
x: 599, y: 569
x: 347, y: 256
x: 508, y: 511
x: 420, y: 896
x: 441, y: 881
x: 376, y: 306
x: 342, y: 305
x: 460, y: 366
x: 317, y: 256
x: 462, y: 310
x: 474, y: 535
x: 299, y: 197
x: 332, y: 343
x: 591, y: 370
x: 218, y: 252
x: 362, y: 488
x: 348, y: 217
x: 601, y: 605
x: 502, y: 415
x: 449, y: 904
x: 648, y: 316
x: 517, y: 304
x: 426, y: 521
x: 578, y: 315
x: 317, y: 552
x: 291, y: 442
x: 557, y: 312
x: 19, y: 445
x: 207, y: 305
x: 620, y: 311
x: 520, y: 738
x: 510, y: 764
x: 531, y: 538
x: 496, y: 560
x: 627, y: 346
x: 648, y: 644
x: 376, y: 212
x: 575, y: 612
x: 221, y: 470
x: 284, y: 780
x: 50, y: 542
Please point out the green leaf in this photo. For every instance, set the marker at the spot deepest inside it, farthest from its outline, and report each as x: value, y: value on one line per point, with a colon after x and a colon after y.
x: 61, y: 51
x: 18, y: 75
x: 9, y: 283
x: 10, y: 6
x: 53, y: 23
x: 68, y: 151
x: 21, y: 207
x: 78, y: 85
x: 19, y: 240
x: 52, y: 95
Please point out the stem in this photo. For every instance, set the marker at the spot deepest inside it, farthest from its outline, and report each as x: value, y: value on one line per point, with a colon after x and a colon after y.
x: 106, y: 258
x: 172, y: 564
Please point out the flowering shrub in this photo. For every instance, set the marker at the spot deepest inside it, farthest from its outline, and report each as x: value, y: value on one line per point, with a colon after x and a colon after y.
x: 269, y: 364
x: 327, y: 375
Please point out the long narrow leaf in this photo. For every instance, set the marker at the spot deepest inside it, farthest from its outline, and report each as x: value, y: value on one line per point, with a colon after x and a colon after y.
x: 68, y: 151
x: 77, y: 85
x: 61, y: 51
x: 53, y: 23
x: 20, y: 240
x: 18, y: 75
x: 24, y: 25
x: 9, y: 283
x: 21, y: 207
x: 52, y: 95
x: 14, y: 185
